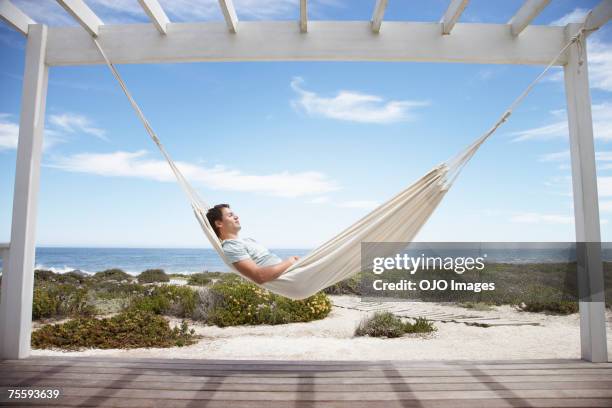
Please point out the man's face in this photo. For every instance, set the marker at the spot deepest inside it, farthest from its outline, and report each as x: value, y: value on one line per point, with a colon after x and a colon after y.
x: 230, y: 223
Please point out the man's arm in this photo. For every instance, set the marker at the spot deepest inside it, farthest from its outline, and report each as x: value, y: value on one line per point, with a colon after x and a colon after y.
x: 263, y: 274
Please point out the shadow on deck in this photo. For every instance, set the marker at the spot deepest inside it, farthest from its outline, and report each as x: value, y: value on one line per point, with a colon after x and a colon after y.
x: 148, y: 382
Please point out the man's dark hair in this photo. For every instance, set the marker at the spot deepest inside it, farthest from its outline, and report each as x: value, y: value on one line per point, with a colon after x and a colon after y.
x: 216, y: 214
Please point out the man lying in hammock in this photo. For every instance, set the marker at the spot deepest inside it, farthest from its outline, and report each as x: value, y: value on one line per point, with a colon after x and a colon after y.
x: 250, y: 258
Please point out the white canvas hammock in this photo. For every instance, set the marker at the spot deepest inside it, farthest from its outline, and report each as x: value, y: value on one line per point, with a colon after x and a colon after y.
x: 397, y: 220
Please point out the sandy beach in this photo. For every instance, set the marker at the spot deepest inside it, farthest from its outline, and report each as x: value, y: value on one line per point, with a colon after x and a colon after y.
x: 332, y: 339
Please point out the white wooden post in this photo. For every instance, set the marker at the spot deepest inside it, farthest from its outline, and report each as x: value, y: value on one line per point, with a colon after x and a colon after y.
x: 586, y: 208
x: 18, y: 278
x: 4, y: 252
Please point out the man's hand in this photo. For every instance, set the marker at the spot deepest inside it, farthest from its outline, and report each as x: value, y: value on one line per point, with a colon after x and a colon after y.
x: 292, y: 259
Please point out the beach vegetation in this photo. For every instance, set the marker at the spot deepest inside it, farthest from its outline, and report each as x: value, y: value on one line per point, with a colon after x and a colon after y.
x: 113, y: 274
x: 542, y: 299
x: 152, y: 276
x: 478, y: 306
x: 556, y: 283
x: 54, y: 300
x: 130, y: 329
x: 349, y: 286
x: 179, y: 301
x: 386, y: 324
x: 235, y: 301
x: 199, y: 279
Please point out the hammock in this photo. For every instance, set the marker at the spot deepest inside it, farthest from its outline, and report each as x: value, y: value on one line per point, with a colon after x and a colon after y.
x: 397, y: 220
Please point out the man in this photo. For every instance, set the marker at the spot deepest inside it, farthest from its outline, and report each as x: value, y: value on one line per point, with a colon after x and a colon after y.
x: 250, y: 258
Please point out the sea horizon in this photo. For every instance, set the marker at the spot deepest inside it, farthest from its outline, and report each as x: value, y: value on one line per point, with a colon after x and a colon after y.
x: 134, y: 260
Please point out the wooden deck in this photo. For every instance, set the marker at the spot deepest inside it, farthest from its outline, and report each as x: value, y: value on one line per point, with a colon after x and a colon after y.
x: 118, y: 382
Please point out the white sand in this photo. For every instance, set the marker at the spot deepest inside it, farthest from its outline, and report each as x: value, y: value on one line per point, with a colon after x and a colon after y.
x: 332, y: 339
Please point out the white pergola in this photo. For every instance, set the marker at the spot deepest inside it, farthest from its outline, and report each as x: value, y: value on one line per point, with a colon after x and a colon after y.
x: 163, y: 41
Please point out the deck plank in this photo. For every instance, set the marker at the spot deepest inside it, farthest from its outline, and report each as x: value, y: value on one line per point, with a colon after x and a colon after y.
x: 115, y: 382
x: 356, y: 394
x: 313, y: 386
x: 346, y: 366
x: 474, y: 403
x: 66, y: 376
x: 260, y: 373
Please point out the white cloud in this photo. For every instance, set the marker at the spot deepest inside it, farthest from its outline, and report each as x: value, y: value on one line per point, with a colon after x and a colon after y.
x: 319, y: 200
x: 363, y: 204
x: 563, y: 156
x: 575, y: 16
x: 555, y: 157
x: 563, y: 184
x: 45, y: 11
x: 360, y: 204
x: 605, y: 206
x: 602, y: 158
x: 604, y: 186
x: 353, y: 106
x: 135, y: 164
x: 540, y: 218
x: 72, y: 123
x: 602, y: 126
x: 207, y: 9
x: 9, y: 134
x: 600, y: 65
x: 127, y: 11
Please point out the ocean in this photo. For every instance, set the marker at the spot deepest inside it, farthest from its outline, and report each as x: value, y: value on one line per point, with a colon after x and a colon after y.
x: 193, y: 260
x: 136, y: 260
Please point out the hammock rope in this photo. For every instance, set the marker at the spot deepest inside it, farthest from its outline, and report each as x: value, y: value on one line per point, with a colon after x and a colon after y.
x: 339, y: 257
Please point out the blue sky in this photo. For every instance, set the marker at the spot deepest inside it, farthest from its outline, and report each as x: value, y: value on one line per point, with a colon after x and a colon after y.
x: 300, y: 150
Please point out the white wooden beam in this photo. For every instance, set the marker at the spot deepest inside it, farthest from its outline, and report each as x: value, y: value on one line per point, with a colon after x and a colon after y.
x: 378, y: 14
x: 525, y: 15
x: 303, y: 16
x: 586, y: 206
x: 156, y: 13
x: 18, y: 280
x: 453, y: 12
x: 326, y: 41
x: 600, y: 15
x: 14, y: 17
x: 83, y: 14
x: 229, y: 13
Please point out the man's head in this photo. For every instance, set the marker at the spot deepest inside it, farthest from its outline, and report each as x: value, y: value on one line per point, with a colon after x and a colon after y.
x: 223, y: 220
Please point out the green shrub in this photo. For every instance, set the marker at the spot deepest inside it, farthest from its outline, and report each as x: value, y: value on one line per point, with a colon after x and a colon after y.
x: 539, y: 298
x: 386, y: 324
x: 115, y: 289
x: 562, y: 307
x: 422, y: 325
x: 235, y: 301
x: 479, y: 306
x: 60, y: 300
x: 381, y: 324
x: 350, y: 286
x: 126, y: 330
x: 73, y: 277
x: 153, y: 275
x: 180, y: 301
x: 113, y: 274
x: 199, y: 279
x: 44, y: 275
